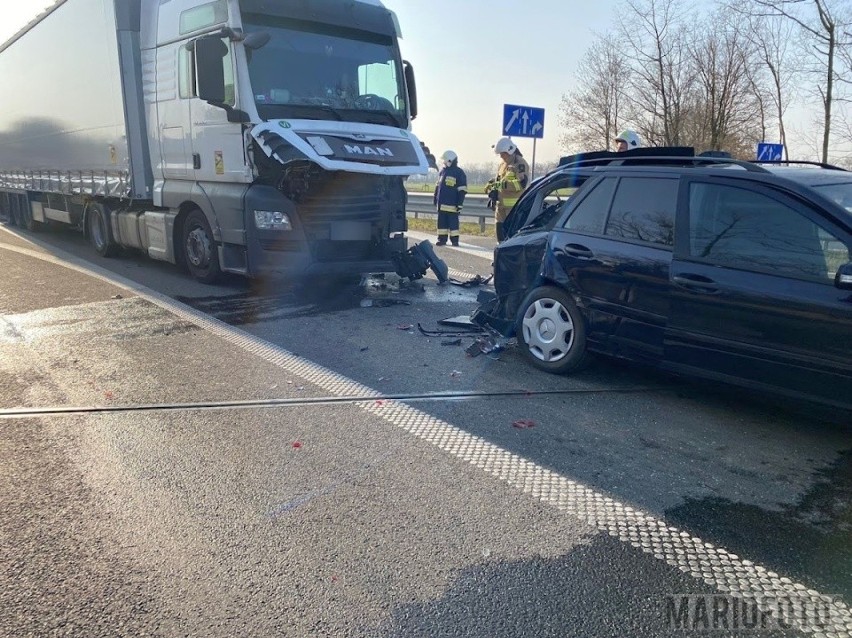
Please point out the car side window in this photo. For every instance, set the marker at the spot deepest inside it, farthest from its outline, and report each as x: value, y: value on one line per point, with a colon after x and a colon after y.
x: 740, y: 228
x: 591, y: 213
x: 644, y: 210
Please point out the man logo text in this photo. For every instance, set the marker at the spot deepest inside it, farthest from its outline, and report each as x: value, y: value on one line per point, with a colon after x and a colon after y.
x: 367, y: 150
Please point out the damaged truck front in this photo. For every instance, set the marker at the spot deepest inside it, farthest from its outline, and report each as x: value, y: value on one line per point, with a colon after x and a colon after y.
x: 334, y: 101
x: 258, y: 137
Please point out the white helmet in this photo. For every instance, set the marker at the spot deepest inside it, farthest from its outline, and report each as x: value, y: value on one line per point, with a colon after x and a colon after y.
x: 505, y: 145
x: 449, y: 157
x: 630, y: 138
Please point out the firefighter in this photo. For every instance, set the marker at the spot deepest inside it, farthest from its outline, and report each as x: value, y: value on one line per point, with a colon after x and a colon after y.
x: 627, y: 140
x: 449, y: 198
x: 512, y: 178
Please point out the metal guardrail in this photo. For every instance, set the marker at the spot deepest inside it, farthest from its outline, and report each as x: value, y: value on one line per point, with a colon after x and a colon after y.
x: 420, y: 206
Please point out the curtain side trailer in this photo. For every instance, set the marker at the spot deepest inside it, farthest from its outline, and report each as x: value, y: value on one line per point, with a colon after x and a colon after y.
x: 242, y: 136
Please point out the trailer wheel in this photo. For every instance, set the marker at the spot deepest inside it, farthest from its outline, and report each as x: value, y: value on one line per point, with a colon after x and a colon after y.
x: 199, y: 248
x: 100, y: 232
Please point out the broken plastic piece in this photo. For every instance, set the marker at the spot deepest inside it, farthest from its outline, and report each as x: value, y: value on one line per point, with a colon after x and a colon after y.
x: 524, y: 424
x: 449, y: 333
x: 383, y: 303
x: 462, y: 321
x: 473, y: 282
x: 414, y: 262
x: 451, y: 342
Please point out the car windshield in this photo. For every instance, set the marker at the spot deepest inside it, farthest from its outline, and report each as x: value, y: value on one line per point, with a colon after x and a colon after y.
x: 839, y: 193
x: 325, y: 73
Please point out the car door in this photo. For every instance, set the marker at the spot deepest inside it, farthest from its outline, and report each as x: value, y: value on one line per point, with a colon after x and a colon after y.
x: 753, y: 297
x: 614, y: 252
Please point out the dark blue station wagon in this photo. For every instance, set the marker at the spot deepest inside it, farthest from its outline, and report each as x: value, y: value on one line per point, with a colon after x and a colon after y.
x: 727, y: 270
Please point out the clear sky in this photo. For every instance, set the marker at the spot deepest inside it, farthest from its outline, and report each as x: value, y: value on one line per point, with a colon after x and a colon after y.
x: 470, y: 58
x: 473, y: 56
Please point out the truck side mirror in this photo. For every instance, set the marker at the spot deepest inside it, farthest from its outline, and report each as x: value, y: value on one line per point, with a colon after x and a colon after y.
x: 210, y: 52
x: 412, y: 88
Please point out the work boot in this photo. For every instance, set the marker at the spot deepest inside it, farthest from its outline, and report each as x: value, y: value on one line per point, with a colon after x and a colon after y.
x: 455, y: 241
x: 500, y: 235
x: 442, y: 240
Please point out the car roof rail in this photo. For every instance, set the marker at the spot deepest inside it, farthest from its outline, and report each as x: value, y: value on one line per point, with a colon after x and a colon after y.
x: 830, y: 167
x: 661, y: 156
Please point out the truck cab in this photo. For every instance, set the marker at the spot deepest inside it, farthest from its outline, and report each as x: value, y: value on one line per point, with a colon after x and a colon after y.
x: 287, y: 125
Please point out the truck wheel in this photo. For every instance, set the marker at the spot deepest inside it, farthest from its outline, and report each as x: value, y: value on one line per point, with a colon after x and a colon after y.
x: 100, y: 232
x: 551, y: 331
x: 199, y: 248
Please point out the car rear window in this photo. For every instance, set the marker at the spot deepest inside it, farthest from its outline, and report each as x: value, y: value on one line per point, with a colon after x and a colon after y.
x: 644, y: 210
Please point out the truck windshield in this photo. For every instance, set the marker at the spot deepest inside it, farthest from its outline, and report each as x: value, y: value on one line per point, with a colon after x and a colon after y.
x: 313, y: 71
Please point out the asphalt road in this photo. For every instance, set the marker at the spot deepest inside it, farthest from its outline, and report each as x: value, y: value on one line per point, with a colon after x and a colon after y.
x: 311, y: 464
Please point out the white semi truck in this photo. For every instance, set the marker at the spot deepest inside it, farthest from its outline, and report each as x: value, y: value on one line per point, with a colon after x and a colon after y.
x: 259, y: 137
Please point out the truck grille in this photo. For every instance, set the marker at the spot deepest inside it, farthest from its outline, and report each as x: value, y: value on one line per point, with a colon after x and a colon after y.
x: 343, y: 197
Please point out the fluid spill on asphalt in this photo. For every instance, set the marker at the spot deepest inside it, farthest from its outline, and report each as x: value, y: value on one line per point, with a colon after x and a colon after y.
x: 810, y: 541
x: 267, y: 303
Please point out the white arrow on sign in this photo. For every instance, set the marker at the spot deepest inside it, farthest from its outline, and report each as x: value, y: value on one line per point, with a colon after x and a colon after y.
x: 515, y: 114
x: 536, y: 128
x: 526, y: 119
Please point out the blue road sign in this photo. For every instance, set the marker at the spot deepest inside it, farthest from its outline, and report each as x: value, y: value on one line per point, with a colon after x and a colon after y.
x: 523, y: 121
x: 769, y: 152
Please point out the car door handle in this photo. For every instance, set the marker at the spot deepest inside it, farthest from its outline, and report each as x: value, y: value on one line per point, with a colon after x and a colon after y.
x: 697, y: 283
x: 581, y: 252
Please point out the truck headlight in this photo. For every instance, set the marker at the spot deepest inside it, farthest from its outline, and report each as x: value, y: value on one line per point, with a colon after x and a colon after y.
x: 272, y: 220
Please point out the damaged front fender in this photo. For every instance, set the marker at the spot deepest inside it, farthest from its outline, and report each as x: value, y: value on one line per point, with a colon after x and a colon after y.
x: 518, y: 268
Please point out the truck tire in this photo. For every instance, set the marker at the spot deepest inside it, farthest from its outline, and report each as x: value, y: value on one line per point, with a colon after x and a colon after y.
x: 199, y: 248
x: 100, y: 231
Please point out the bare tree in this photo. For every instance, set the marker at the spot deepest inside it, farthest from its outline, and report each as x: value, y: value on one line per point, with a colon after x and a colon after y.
x: 593, y: 113
x: 655, y: 35
x: 824, y: 25
x: 773, y: 37
x: 726, y: 102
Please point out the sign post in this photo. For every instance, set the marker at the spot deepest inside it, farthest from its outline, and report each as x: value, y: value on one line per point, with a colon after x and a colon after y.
x: 524, y: 121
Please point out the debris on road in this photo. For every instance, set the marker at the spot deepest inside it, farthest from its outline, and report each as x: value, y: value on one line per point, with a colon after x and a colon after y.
x: 462, y: 321
x: 524, y: 424
x: 474, y: 282
x: 455, y: 374
x: 451, y: 342
x: 383, y: 303
x: 485, y: 345
x: 297, y: 445
x: 405, y: 326
x: 450, y: 333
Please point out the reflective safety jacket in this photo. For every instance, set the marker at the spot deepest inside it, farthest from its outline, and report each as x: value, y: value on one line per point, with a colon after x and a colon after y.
x: 512, y: 179
x: 450, y: 189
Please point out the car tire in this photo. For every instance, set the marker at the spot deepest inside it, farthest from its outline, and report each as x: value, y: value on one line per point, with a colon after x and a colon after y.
x: 199, y: 248
x: 99, y: 228
x: 551, y: 331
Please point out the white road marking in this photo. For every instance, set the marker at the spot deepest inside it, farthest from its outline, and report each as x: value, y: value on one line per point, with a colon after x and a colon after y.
x: 713, y: 565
